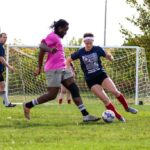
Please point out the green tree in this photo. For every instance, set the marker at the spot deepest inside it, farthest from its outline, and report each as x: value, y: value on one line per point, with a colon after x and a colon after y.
x: 142, y: 21
x: 75, y: 42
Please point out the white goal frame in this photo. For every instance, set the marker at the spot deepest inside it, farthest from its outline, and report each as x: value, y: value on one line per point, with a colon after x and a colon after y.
x: 105, y: 47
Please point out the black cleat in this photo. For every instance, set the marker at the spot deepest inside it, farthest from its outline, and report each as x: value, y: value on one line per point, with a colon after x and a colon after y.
x: 11, y: 105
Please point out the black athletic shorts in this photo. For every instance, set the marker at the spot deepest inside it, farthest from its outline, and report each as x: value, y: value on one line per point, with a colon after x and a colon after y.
x: 1, y: 77
x: 97, y: 80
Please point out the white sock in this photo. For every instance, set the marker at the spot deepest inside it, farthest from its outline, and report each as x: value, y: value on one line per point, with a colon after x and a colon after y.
x: 81, y: 107
x: 5, y: 98
x: 35, y: 102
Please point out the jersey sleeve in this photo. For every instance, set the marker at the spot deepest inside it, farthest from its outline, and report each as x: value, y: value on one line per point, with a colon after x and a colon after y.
x: 75, y: 55
x: 101, y: 52
x: 1, y: 51
x: 50, y: 40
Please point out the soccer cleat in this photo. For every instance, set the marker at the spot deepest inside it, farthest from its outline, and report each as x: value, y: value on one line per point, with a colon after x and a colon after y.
x: 60, y: 101
x: 122, y: 119
x: 26, y: 112
x: 132, y: 110
x: 90, y: 118
x: 69, y: 101
x: 11, y: 105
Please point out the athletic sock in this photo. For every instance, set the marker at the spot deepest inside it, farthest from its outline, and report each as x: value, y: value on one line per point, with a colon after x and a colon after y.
x: 123, y: 101
x: 32, y: 103
x: 5, y: 98
x: 83, y: 110
x: 110, y: 106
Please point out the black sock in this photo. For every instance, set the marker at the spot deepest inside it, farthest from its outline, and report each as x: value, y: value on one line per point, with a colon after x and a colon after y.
x: 85, y: 112
x: 29, y: 104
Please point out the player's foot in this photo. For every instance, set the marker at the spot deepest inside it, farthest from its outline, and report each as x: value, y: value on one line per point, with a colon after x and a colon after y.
x: 69, y: 101
x: 60, y: 101
x: 90, y: 118
x: 132, y: 110
x: 122, y: 119
x: 11, y: 105
x: 26, y: 112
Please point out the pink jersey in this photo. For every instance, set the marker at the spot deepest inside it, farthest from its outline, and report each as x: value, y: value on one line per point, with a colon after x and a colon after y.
x: 57, y: 60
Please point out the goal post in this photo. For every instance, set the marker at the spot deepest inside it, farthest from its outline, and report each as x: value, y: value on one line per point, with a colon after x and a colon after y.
x: 128, y: 71
x: 137, y: 77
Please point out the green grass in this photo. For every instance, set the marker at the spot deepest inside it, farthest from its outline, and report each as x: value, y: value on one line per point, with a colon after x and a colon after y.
x: 55, y: 127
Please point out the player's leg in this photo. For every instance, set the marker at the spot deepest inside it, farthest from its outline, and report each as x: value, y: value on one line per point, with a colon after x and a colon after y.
x: 62, y: 93
x: 74, y: 90
x: 53, y: 83
x: 110, y: 86
x: 50, y: 95
x: 100, y: 93
x: 3, y: 93
x: 68, y: 97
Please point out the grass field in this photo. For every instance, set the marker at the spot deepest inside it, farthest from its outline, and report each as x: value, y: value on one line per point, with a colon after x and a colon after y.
x: 55, y: 127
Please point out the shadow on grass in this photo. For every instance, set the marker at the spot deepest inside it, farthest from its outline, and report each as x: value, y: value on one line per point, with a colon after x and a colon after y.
x: 30, y: 124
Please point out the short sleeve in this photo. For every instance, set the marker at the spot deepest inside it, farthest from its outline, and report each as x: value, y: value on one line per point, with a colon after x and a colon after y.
x: 101, y: 51
x: 75, y: 55
x: 50, y: 40
x: 1, y: 51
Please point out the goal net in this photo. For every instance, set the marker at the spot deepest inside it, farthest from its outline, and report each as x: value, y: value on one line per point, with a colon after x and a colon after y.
x: 128, y: 71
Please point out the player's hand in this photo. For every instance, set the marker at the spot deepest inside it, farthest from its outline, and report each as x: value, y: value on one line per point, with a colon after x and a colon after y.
x: 37, y: 72
x: 12, y: 69
x: 110, y: 57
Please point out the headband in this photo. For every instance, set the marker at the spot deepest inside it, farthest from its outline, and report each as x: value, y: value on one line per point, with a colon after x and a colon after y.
x: 88, y: 38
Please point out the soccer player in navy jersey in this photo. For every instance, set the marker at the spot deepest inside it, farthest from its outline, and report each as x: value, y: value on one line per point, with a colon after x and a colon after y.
x: 96, y: 78
x: 3, y: 64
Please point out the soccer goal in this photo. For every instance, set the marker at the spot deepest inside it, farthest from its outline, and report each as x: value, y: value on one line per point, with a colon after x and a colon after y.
x: 128, y: 71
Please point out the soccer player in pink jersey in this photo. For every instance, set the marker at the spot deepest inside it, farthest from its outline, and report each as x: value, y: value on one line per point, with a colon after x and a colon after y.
x: 56, y: 72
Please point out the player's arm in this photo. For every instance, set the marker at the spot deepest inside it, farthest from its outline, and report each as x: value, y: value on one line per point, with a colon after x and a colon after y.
x: 70, y: 59
x: 3, y: 61
x: 43, y: 46
x: 40, y: 62
x: 108, y: 56
x: 104, y: 53
x: 68, y: 62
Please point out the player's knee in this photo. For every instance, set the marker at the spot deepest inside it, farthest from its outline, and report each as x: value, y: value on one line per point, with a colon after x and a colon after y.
x: 116, y: 92
x: 74, y: 90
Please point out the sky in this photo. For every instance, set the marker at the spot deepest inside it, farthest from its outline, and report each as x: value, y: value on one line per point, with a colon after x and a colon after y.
x: 29, y: 20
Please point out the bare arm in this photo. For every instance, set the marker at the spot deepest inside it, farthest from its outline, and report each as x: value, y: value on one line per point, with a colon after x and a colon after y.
x: 68, y: 62
x: 40, y: 62
x: 41, y: 58
x: 109, y: 56
x: 3, y: 61
x: 45, y: 48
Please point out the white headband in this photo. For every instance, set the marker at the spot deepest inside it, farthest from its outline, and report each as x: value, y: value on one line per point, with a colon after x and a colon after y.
x: 88, y: 38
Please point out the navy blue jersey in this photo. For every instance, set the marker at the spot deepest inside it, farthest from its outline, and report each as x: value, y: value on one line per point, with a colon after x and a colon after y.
x: 2, y: 54
x: 90, y: 61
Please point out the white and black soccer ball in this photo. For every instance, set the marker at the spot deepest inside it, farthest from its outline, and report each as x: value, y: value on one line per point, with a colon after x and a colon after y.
x: 108, y: 116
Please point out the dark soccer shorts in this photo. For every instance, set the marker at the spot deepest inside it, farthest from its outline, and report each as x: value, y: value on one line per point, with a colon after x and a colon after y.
x: 97, y: 80
x: 1, y: 77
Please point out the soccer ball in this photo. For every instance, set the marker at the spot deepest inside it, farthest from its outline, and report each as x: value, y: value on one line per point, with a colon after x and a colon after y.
x: 108, y: 116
